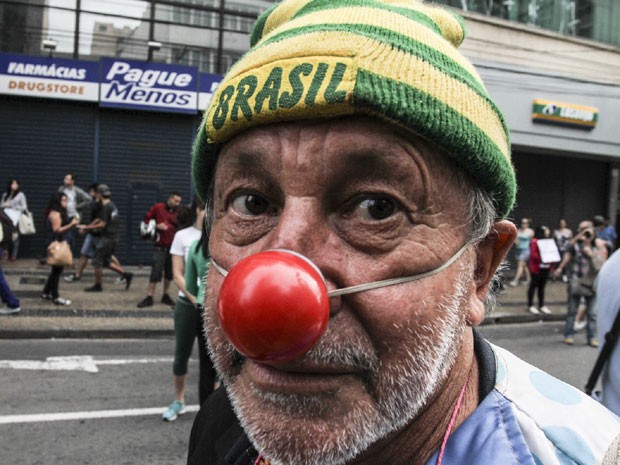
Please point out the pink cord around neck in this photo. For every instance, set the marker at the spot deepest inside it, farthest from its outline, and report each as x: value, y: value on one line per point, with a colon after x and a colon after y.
x: 455, y: 413
x: 260, y: 456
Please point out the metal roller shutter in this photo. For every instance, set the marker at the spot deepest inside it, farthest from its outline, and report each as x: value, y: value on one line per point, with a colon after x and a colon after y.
x: 554, y: 187
x: 143, y: 156
x: 40, y: 141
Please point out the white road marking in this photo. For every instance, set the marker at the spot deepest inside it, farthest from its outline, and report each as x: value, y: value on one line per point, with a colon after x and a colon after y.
x: 76, y: 363
x: 95, y: 414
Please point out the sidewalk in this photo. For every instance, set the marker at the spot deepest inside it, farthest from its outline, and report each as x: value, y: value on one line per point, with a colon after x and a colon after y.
x: 113, y: 312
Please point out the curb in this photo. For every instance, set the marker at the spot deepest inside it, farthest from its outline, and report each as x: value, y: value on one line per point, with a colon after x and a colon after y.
x: 525, y: 318
x: 132, y: 333
x: 86, y: 334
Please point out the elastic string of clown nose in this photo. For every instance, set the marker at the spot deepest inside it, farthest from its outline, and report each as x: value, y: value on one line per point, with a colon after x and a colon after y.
x: 378, y: 284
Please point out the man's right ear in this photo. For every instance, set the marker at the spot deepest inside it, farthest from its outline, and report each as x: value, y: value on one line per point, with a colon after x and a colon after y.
x: 492, y: 251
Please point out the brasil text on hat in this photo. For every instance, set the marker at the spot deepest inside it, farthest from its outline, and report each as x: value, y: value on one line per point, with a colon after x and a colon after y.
x: 397, y: 61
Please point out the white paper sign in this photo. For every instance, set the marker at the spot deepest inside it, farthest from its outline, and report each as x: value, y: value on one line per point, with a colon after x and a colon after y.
x: 549, y: 252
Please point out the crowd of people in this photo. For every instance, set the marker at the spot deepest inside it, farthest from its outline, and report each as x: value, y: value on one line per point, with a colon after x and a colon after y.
x: 575, y: 258
x: 180, y: 255
x: 72, y: 214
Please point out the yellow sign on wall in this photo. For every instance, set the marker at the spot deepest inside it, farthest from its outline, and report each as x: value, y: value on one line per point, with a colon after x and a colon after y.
x: 568, y: 114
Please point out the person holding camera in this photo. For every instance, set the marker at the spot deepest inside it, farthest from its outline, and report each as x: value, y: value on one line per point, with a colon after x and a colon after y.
x: 585, y: 257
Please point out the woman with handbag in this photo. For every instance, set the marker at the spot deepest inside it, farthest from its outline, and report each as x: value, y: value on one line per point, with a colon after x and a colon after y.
x: 57, y: 224
x: 15, y: 200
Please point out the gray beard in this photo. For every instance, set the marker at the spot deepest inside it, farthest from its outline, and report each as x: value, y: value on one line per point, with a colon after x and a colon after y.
x: 405, y: 388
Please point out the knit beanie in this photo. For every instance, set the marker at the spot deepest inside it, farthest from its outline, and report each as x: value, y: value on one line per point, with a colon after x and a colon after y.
x: 396, y: 60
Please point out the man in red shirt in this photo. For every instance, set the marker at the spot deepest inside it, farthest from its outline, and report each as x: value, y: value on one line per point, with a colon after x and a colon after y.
x: 165, y: 216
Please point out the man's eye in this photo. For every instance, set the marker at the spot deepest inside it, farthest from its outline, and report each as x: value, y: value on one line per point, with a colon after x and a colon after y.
x: 251, y: 204
x: 378, y: 208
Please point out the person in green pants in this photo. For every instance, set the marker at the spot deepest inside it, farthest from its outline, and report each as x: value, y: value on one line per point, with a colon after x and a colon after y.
x: 189, y: 265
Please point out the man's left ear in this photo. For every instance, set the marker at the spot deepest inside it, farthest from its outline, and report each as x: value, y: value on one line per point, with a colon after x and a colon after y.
x: 489, y: 255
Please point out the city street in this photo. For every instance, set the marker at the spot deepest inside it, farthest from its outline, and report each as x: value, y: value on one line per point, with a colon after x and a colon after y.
x: 117, y: 392
x: 96, y: 402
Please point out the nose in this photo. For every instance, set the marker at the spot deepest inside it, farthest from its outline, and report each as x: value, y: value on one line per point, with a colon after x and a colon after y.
x: 300, y: 228
x: 303, y: 227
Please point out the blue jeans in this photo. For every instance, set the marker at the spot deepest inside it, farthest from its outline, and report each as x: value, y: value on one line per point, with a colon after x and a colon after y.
x: 573, y: 305
x: 15, y: 247
x: 6, y: 294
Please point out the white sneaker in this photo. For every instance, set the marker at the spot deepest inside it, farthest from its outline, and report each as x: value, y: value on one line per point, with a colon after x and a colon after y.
x: 533, y: 310
x: 513, y: 283
x: 544, y: 309
x: 61, y: 301
x: 579, y: 325
x: 9, y: 310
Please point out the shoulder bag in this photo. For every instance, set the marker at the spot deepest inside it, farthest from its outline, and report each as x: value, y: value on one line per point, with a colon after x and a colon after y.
x: 26, y: 224
x: 59, y: 254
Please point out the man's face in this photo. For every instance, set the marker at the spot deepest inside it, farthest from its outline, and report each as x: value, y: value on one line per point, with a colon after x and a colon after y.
x: 68, y: 181
x: 364, y: 204
x: 174, y: 201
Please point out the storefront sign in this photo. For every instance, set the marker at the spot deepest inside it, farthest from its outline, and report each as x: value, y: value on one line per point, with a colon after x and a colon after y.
x: 564, y: 113
x: 148, y: 86
x: 34, y: 76
x: 208, y: 84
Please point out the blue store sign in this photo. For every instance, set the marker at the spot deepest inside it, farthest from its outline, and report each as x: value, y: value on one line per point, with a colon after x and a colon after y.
x: 148, y: 86
x: 114, y: 83
x: 34, y: 76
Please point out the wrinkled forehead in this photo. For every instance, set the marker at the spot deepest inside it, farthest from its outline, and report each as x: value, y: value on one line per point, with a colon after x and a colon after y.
x: 358, y: 139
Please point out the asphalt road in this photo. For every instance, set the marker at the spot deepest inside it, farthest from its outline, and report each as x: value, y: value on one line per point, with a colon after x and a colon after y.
x: 116, y: 390
x: 132, y: 385
x: 541, y: 345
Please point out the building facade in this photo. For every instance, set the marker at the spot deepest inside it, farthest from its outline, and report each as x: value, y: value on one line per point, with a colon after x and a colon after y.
x: 56, y: 116
x: 143, y: 71
x: 567, y: 167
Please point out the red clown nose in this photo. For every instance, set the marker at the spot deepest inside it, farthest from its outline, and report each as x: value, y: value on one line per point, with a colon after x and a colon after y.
x: 273, y: 306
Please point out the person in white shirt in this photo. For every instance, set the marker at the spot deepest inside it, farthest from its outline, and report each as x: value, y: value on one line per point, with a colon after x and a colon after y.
x: 14, y: 199
x: 77, y: 200
x: 184, y: 310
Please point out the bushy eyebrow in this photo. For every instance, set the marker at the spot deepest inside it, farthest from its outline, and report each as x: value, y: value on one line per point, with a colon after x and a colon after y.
x: 247, y: 162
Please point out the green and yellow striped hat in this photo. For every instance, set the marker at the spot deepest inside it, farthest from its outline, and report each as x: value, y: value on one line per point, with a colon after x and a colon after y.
x: 392, y: 59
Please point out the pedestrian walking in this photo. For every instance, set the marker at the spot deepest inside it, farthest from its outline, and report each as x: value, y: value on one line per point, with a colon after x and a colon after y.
x: 58, y: 225
x: 15, y: 200
x: 165, y: 216
x: 88, y: 246
x: 522, y: 251
x: 78, y: 201
x: 584, y: 257
x: 563, y: 237
x: 106, y: 225
x: 540, y: 271
x: 10, y: 303
x: 187, y: 321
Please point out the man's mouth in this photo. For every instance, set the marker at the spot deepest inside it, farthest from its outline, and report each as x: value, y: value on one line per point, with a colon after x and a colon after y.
x: 298, y: 379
